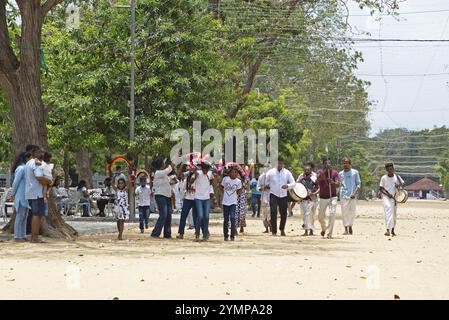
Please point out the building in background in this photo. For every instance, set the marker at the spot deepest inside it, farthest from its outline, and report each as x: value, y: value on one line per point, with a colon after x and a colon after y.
x: 425, y: 189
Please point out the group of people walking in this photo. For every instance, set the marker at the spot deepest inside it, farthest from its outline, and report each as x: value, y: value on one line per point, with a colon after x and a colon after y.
x: 270, y: 196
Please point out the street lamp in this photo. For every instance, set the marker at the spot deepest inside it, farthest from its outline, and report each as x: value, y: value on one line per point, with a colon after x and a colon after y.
x: 131, y: 195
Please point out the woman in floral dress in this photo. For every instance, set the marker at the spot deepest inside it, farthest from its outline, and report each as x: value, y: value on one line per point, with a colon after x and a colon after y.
x: 242, y: 203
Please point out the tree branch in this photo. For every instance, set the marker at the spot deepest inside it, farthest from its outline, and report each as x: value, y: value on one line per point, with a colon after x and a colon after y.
x: 8, y: 60
x: 48, y: 5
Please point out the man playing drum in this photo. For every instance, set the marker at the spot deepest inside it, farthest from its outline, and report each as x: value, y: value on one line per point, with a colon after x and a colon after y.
x: 313, y: 199
x: 389, y: 185
x: 308, y: 179
x: 350, y: 186
x: 328, y: 181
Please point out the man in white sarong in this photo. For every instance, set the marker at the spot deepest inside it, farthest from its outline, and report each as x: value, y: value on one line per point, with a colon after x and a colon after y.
x: 308, y: 179
x: 350, y: 186
x: 389, y: 185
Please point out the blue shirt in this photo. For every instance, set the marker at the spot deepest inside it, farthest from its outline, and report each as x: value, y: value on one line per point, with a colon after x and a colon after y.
x: 18, y: 187
x: 350, y: 180
x: 33, y: 188
x: 253, y: 185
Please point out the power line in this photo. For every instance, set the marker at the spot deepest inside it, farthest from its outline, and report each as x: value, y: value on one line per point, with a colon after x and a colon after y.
x: 403, y: 75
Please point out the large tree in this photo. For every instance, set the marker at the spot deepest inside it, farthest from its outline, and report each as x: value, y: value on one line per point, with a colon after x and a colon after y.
x: 20, y: 80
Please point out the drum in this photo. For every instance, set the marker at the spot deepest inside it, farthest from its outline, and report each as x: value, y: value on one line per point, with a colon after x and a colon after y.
x: 401, y: 196
x: 298, y: 192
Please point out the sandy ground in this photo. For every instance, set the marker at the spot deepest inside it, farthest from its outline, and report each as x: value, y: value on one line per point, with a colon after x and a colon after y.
x: 367, y: 265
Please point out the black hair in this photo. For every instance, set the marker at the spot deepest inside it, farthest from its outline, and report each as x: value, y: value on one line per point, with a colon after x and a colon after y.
x: 121, y: 179
x: 280, y: 159
x: 47, y: 156
x: 81, y: 184
x: 325, y: 158
x: 389, y: 165
x: 157, y: 163
x: 311, y: 165
x: 108, y: 179
x: 118, y: 168
x: 20, y: 159
x: 31, y: 147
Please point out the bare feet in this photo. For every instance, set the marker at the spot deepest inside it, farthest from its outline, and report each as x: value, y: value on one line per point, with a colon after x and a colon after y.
x: 350, y: 230
x: 180, y: 236
x: 387, y: 233
x: 310, y: 233
x: 393, y: 234
x: 329, y: 236
x: 119, y: 238
x: 305, y: 234
x: 345, y: 233
x: 322, y: 233
x: 241, y: 230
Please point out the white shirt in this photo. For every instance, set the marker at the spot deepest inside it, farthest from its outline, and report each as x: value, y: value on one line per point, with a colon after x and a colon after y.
x: 143, y: 196
x: 186, y: 194
x: 314, y: 176
x: 161, y: 183
x: 47, y: 168
x: 390, y: 184
x: 261, y: 187
x: 276, y: 179
x: 230, y: 190
x: 202, y: 185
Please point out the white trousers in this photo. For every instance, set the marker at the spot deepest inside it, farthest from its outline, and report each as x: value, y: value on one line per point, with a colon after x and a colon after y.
x: 313, y: 212
x: 390, y: 209
x: 306, y: 210
x: 348, y: 207
x: 332, y: 204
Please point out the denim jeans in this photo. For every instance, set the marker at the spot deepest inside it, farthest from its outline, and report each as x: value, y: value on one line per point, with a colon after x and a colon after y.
x: 187, y: 204
x: 164, y: 220
x: 229, y: 211
x: 20, y: 224
x: 202, y: 220
x: 144, y: 216
x: 255, y: 200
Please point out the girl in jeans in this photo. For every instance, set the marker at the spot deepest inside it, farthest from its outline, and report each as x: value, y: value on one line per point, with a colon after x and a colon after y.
x: 162, y: 194
x: 231, y: 187
x: 202, y: 180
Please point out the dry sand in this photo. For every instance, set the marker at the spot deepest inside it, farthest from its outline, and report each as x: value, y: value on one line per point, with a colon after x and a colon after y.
x: 367, y: 265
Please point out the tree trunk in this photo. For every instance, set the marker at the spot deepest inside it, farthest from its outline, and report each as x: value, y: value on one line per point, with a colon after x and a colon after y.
x: 21, y: 83
x: 83, y: 164
x: 66, y: 169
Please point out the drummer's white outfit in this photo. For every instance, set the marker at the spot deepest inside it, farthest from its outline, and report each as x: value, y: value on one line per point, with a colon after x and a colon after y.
x: 314, y: 201
x: 306, y: 204
x: 265, y: 200
x: 350, y: 181
x: 390, y: 207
